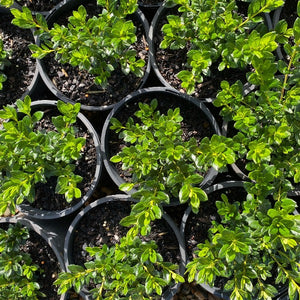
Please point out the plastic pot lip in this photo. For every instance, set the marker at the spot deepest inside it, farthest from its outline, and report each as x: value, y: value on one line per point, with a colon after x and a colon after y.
x: 44, y: 13
x: 49, y: 237
x: 48, y: 215
x: 275, y: 20
x: 122, y: 197
x: 71, y: 5
x: 112, y: 171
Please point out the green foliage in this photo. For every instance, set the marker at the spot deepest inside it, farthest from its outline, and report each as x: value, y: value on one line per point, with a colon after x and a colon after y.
x: 6, y: 3
x: 29, y: 156
x: 252, y: 244
x: 123, y: 271
x: 259, y: 238
x: 163, y: 166
x: 17, y: 273
x: 268, y: 119
x: 98, y: 45
x: 214, y: 32
x: 3, y: 63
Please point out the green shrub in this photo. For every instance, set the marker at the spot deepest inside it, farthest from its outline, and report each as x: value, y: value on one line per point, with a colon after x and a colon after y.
x: 98, y: 45
x: 124, y: 271
x: 215, y: 32
x: 17, y: 272
x: 29, y: 156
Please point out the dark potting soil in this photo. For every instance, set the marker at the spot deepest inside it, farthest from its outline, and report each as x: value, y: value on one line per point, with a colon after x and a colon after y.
x: 289, y: 12
x: 43, y: 256
x: 39, y: 5
x: 85, y: 167
x: 171, y: 62
x: 101, y: 226
x: 21, y: 70
x: 195, y: 123
x: 78, y: 85
x: 150, y: 2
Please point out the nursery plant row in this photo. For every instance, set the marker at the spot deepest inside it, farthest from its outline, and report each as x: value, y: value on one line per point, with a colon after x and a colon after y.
x: 149, y: 150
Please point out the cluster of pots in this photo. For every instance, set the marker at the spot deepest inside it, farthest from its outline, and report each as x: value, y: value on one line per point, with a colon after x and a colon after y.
x: 59, y: 227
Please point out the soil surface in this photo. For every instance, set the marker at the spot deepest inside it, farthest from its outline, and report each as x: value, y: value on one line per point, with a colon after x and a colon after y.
x: 39, y: 5
x: 150, y: 3
x: 78, y: 85
x: 84, y: 167
x: 22, y: 66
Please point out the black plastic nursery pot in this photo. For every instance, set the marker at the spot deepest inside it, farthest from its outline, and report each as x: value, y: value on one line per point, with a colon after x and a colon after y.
x: 107, y: 213
x: 149, y: 7
x: 194, y: 228
x: 22, y: 74
x: 193, y: 111
x: 41, y: 6
x: 89, y: 188
x: 286, y: 12
x: 169, y: 63
x: 49, y: 239
x: 103, y: 100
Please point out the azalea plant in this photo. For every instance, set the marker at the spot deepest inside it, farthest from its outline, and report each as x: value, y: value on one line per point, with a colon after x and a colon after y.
x: 126, y: 270
x: 98, y: 44
x: 17, y: 272
x: 29, y: 156
x: 214, y: 32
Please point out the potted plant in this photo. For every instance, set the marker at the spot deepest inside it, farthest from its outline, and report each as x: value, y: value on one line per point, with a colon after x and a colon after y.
x: 29, y: 260
x: 100, y: 44
x: 206, y: 41
x: 194, y: 227
x: 165, y: 168
x: 117, y: 264
x: 35, y: 153
x: 253, y: 250
x: 283, y: 18
x: 255, y: 246
x: 267, y: 120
